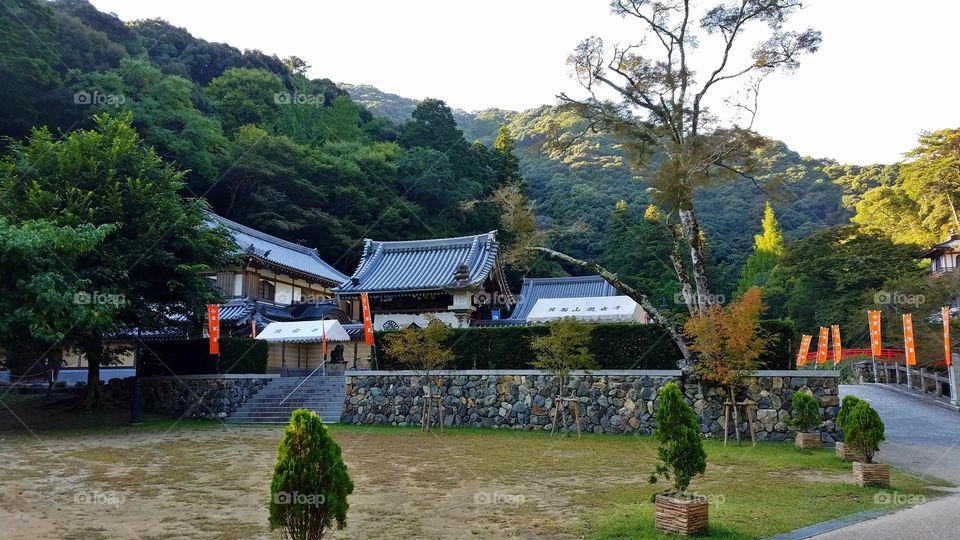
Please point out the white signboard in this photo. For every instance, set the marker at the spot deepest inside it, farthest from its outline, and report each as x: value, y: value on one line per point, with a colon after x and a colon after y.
x: 590, y: 309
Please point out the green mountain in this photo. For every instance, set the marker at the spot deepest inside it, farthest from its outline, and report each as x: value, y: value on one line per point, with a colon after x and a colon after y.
x: 580, y: 186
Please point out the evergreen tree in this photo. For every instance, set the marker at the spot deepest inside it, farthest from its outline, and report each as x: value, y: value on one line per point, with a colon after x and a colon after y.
x: 767, y: 250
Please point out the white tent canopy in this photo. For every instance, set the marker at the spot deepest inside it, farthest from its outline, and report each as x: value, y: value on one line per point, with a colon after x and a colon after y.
x: 303, y: 332
x: 590, y: 309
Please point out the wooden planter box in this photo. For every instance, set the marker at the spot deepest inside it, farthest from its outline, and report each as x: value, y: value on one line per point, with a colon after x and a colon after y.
x: 871, y: 474
x: 847, y: 453
x: 807, y: 441
x: 681, y: 514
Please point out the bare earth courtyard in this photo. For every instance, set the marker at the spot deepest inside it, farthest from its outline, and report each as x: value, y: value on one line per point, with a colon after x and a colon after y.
x: 208, y: 480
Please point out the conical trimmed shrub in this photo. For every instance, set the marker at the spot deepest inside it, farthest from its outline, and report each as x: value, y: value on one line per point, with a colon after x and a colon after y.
x: 310, y: 485
x: 681, y: 451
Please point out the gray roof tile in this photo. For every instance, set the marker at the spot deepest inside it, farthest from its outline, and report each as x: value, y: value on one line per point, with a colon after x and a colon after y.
x: 281, y: 252
x: 566, y: 287
x: 421, y: 265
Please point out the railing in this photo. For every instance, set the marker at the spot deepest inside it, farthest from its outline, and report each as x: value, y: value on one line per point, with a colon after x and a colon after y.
x: 323, y: 363
x: 932, y: 382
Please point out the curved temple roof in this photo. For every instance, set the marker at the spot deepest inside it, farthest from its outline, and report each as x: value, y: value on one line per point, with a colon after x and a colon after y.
x: 421, y: 265
x: 566, y: 287
x: 281, y: 252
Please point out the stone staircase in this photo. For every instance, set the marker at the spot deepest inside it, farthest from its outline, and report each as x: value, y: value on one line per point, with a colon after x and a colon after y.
x: 277, y: 400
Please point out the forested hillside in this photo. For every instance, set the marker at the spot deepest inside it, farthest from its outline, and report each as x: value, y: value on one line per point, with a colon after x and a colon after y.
x: 578, y: 186
x: 262, y: 143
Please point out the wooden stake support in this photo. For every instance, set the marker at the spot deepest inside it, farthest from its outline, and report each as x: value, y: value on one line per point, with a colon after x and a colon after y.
x: 746, y: 406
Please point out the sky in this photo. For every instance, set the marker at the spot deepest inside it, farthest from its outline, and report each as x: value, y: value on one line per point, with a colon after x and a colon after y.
x: 886, y: 70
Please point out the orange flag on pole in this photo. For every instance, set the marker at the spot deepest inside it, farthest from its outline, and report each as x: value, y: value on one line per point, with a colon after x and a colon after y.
x: 875, y: 344
x: 945, y: 313
x: 837, y: 348
x: 823, y: 344
x: 367, y: 318
x: 213, y: 327
x: 910, y: 350
x: 323, y: 328
x: 804, y: 349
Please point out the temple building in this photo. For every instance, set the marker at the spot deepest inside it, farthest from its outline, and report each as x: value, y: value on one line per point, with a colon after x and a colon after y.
x: 453, y: 280
x: 943, y: 256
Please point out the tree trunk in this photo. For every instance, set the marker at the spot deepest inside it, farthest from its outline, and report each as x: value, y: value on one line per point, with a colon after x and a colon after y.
x: 691, y: 232
x: 685, y: 288
x: 94, y: 394
x: 426, y: 408
x: 641, y: 299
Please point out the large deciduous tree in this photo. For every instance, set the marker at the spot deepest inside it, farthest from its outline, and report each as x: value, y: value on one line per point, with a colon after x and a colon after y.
x: 151, y: 266
x: 655, y: 93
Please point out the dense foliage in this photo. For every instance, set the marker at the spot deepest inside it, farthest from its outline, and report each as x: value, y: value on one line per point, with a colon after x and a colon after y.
x: 806, y: 412
x: 615, y: 346
x: 192, y: 357
x: 308, y: 494
x: 864, y: 430
x: 265, y: 145
x: 680, y: 454
x: 847, y: 405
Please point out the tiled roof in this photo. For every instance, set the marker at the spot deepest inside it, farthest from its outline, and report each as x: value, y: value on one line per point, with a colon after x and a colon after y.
x: 566, y: 287
x: 281, y: 252
x: 421, y: 265
x: 951, y: 244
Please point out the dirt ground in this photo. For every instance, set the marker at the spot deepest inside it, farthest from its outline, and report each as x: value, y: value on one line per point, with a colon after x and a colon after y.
x: 73, y: 476
x: 214, y: 483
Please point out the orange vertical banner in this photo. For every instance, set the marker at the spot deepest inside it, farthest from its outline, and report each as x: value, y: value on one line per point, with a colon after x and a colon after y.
x: 823, y: 344
x: 875, y: 341
x: 253, y: 328
x: 804, y: 349
x: 213, y: 327
x: 323, y: 328
x: 910, y: 350
x: 367, y: 318
x: 837, y: 347
x: 945, y: 313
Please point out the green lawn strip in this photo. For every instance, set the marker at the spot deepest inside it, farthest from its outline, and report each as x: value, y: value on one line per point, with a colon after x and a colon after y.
x: 783, y: 490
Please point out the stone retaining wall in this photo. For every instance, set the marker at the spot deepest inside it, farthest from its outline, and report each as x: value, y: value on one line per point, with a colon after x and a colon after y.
x: 192, y: 396
x: 610, y: 401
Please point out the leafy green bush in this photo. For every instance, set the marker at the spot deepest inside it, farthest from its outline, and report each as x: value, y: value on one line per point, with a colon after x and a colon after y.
x: 848, y: 403
x: 781, y: 334
x: 864, y: 430
x: 237, y: 355
x: 806, y: 412
x: 681, y: 455
x: 308, y: 494
x: 615, y: 346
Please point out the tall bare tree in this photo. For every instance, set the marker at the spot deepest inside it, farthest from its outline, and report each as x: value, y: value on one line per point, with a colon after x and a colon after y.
x: 653, y: 94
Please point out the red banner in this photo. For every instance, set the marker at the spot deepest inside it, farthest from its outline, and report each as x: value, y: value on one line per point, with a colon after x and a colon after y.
x: 213, y: 327
x: 367, y: 318
x: 804, y: 349
x: 875, y: 343
x: 823, y: 344
x: 837, y: 348
x: 945, y: 313
x: 909, y: 349
x: 323, y: 328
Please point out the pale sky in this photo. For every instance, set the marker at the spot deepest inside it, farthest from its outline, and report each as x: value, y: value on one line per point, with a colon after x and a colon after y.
x: 886, y: 71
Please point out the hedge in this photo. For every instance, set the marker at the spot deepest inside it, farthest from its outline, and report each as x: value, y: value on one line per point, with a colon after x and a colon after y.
x: 237, y: 355
x: 615, y: 346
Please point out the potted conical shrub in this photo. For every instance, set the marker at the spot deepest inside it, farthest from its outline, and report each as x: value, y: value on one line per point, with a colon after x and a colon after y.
x: 863, y: 430
x: 806, y: 417
x: 844, y: 451
x: 681, y: 457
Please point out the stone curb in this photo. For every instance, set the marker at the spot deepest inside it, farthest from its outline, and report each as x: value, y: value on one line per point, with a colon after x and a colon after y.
x: 916, y: 394
x: 832, y: 525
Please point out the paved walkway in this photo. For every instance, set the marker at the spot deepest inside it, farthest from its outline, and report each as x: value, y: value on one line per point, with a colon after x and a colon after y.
x: 923, y: 438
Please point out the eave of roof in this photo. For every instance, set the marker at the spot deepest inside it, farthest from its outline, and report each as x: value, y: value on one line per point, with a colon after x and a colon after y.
x: 565, y: 287
x: 289, y: 255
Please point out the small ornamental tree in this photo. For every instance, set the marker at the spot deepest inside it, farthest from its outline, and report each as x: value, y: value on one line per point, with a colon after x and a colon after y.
x: 681, y: 453
x: 847, y: 405
x: 564, y: 349
x: 308, y: 495
x: 729, y: 340
x: 806, y: 412
x: 425, y: 351
x: 864, y: 430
